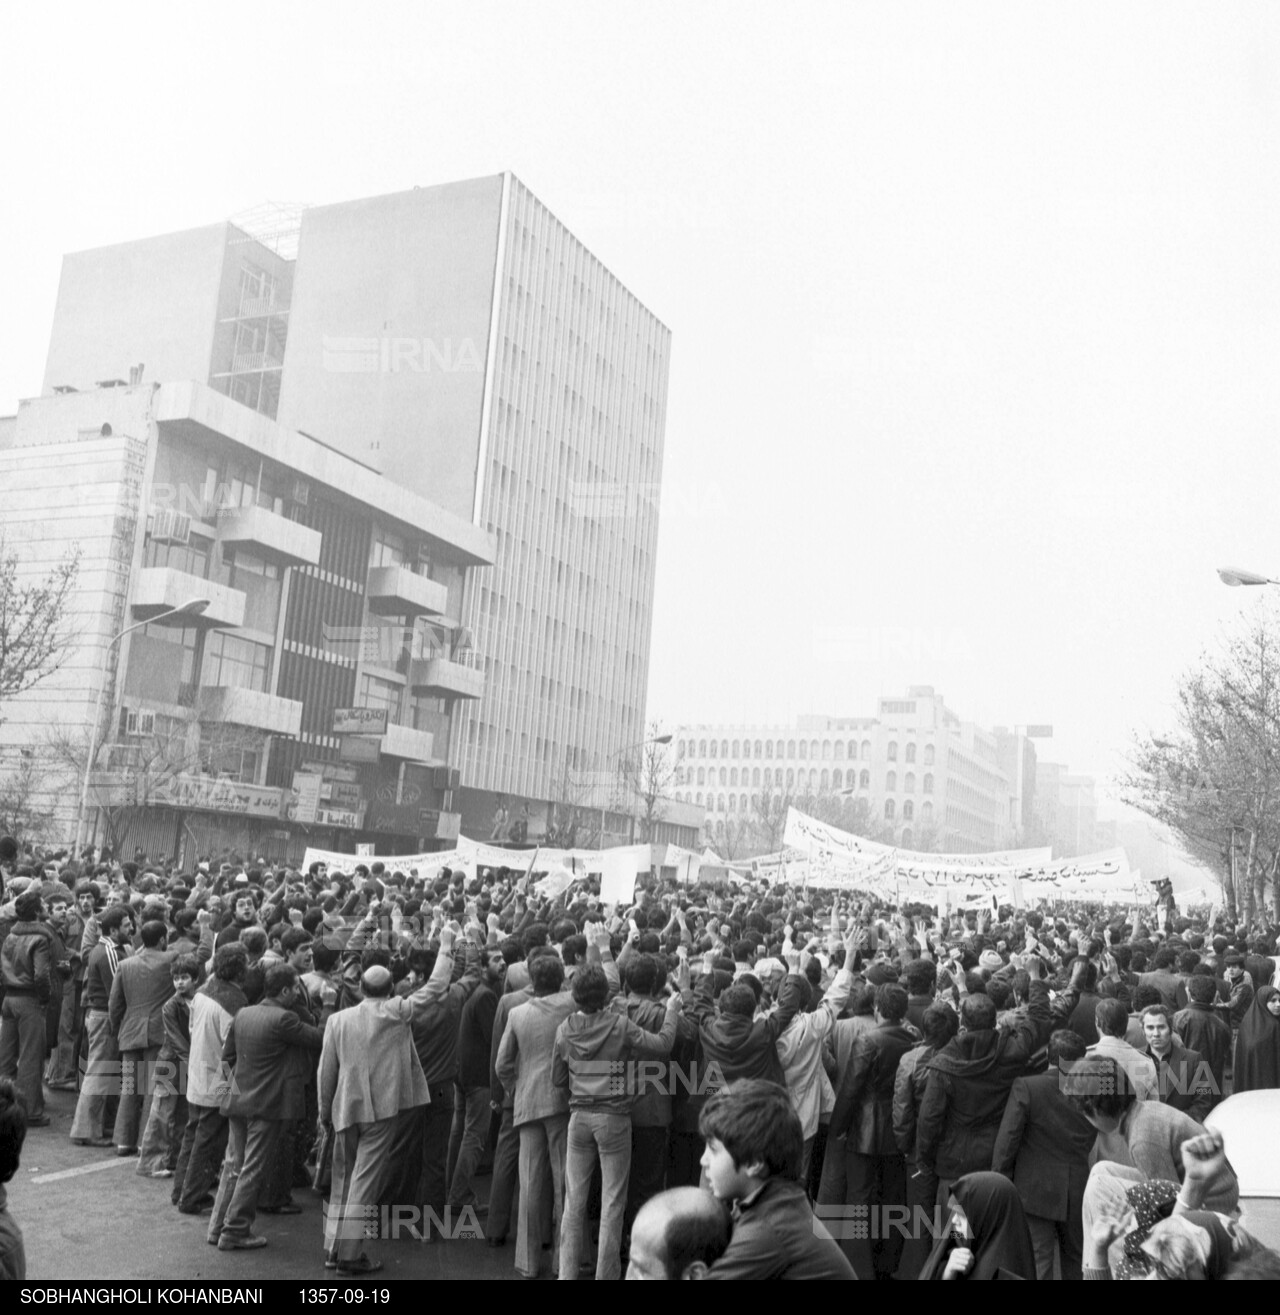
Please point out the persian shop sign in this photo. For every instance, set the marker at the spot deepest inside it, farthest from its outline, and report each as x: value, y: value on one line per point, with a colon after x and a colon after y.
x: 212, y: 794
x: 359, y: 721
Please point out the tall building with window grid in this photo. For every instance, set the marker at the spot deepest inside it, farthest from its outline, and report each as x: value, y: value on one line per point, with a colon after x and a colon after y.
x: 464, y: 344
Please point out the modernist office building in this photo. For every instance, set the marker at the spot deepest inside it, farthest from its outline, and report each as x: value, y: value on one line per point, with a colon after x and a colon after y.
x: 917, y: 764
x: 461, y: 342
x: 257, y: 724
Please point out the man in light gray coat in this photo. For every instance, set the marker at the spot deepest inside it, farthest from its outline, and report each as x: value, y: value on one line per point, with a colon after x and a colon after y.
x: 369, y: 1074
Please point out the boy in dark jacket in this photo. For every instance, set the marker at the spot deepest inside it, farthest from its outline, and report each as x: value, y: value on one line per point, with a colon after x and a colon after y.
x: 754, y: 1148
x: 163, y: 1136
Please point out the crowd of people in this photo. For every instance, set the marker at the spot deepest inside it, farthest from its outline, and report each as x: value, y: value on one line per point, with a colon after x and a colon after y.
x: 752, y: 1082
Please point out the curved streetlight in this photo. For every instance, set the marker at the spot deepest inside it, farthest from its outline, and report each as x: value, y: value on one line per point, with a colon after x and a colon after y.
x: 192, y: 607
x: 1235, y: 577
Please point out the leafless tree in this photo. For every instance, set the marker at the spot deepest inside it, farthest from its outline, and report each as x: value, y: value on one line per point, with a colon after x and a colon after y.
x: 129, y: 772
x: 22, y: 790
x: 35, y: 625
x: 1215, y: 778
x: 649, y: 774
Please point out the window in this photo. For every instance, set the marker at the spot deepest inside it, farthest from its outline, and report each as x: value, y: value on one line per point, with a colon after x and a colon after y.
x: 928, y: 755
x: 755, y: 776
x: 927, y: 787
x: 837, y: 779
x: 724, y: 748
x: 768, y: 778
x: 702, y: 777
x: 813, y: 749
x: 864, y: 781
x: 804, y: 751
x: 911, y: 753
x: 702, y: 749
x: 866, y: 749
x: 724, y: 776
x: 888, y: 810
x: 791, y: 778
x: 714, y: 747
x: 186, y: 636
x: 791, y: 748
x: 891, y: 781
x: 768, y: 748
x: 892, y: 751
x: 926, y: 811
x: 839, y: 750
x: 853, y: 749
x: 758, y: 754
x: 907, y: 837
x: 236, y: 663
x: 377, y: 693
x: 736, y: 748
x: 699, y: 797
x: 824, y: 781
x: 733, y: 776
x: 908, y: 811
x: 826, y: 750
x: 909, y: 783
x: 813, y: 780
x: 720, y: 804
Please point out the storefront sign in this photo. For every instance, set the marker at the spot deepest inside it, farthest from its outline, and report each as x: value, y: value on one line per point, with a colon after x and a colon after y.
x: 306, y: 786
x: 360, y: 721
x: 359, y: 749
x: 211, y: 794
x: 340, y: 817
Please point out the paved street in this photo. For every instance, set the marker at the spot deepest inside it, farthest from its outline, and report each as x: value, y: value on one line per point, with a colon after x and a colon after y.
x: 86, y: 1214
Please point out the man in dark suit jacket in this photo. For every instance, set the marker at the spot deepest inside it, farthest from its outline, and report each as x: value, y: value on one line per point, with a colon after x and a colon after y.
x: 862, y: 1131
x: 135, y: 1007
x: 1043, y: 1145
x: 1185, y: 1080
x: 268, y: 1050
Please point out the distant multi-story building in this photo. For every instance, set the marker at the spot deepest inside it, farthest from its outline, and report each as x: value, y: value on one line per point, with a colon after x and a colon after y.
x: 460, y: 342
x: 1067, y: 808
x: 253, y: 721
x: 916, y: 763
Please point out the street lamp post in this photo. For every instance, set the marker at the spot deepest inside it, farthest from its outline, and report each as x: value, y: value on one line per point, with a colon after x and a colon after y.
x: 1235, y: 577
x: 192, y: 607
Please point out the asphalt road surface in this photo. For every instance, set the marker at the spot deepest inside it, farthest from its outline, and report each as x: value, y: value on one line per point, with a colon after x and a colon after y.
x: 86, y: 1214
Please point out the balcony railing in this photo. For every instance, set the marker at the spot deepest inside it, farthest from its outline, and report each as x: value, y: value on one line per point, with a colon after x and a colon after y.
x: 257, y: 307
x: 246, y: 361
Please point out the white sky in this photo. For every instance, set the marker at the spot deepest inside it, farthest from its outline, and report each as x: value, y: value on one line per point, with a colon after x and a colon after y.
x: 974, y: 305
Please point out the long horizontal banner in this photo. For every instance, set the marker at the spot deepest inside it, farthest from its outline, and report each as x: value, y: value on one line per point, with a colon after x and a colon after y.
x: 865, y: 863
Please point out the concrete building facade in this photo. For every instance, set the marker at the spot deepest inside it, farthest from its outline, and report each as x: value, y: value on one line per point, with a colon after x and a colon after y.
x: 459, y: 341
x: 234, y: 727
x: 920, y: 768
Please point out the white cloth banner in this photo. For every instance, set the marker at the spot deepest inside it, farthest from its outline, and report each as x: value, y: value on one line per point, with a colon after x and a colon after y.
x: 857, y: 860
x: 555, y: 883
x: 620, y: 868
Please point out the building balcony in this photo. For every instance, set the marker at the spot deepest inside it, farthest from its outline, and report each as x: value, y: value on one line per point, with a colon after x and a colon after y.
x: 258, y: 307
x: 271, y: 536
x: 251, y: 707
x: 413, y: 746
x: 396, y: 591
x: 160, y: 589
x: 443, y: 678
x: 248, y: 361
